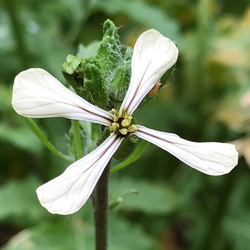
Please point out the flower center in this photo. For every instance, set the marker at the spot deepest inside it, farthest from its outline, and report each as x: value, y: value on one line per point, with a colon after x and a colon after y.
x: 122, y: 123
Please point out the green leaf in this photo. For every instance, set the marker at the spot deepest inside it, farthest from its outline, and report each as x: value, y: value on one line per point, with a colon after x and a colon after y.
x: 117, y: 197
x: 71, y: 64
x: 18, y: 200
x: 77, y: 234
x: 21, y: 136
x: 45, y: 141
x: 132, y: 158
x: 149, y: 198
x: 124, y: 235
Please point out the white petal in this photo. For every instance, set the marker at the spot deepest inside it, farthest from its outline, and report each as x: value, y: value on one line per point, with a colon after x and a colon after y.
x: 211, y: 158
x: 153, y: 55
x: 68, y: 192
x: 37, y: 94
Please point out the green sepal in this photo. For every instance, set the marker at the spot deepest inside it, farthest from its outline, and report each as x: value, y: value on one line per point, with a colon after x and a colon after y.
x: 105, y: 134
x: 127, y: 147
x: 133, y: 157
x: 34, y: 127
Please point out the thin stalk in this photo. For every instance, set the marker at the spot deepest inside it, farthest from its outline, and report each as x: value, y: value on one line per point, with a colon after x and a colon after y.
x: 77, y: 139
x: 101, y: 208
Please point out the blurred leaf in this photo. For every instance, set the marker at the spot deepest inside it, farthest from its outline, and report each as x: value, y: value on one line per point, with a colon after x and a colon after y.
x: 238, y: 229
x: 89, y: 50
x: 124, y: 235
x: 151, y: 198
x: 243, y: 147
x: 77, y: 235
x: 21, y: 137
x: 143, y: 13
x: 18, y: 200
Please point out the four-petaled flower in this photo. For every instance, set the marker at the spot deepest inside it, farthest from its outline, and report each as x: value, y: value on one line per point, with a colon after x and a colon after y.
x: 38, y: 94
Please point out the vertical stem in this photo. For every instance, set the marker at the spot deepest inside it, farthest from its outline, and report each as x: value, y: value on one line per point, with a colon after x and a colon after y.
x: 203, y: 18
x: 100, y: 203
x: 77, y: 139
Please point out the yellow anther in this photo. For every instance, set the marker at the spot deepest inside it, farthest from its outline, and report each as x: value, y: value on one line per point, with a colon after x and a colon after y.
x: 123, y: 131
x: 115, y: 126
x: 115, y: 112
x: 116, y: 118
x: 123, y: 112
x: 132, y: 128
x: 125, y: 123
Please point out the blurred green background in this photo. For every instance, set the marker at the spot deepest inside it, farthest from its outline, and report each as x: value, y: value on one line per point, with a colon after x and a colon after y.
x: 166, y: 205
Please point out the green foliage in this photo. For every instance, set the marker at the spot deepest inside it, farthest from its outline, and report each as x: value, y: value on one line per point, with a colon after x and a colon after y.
x: 146, y: 197
x: 15, y: 205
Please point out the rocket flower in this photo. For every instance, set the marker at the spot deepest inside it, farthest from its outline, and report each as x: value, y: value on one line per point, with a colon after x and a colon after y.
x: 37, y: 94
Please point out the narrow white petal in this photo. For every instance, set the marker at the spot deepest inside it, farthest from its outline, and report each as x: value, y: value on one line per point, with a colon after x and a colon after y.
x: 211, y: 158
x: 38, y: 94
x: 153, y: 55
x: 67, y: 193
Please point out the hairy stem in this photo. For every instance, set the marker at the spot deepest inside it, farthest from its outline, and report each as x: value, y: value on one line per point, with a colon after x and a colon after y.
x: 100, y: 204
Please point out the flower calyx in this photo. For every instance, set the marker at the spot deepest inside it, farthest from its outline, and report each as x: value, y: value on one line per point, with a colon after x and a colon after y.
x: 122, y: 123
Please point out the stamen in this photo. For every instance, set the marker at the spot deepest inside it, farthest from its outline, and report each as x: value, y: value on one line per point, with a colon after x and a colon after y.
x: 132, y: 128
x: 122, y: 123
x: 125, y: 123
x: 123, y: 131
x: 115, y: 126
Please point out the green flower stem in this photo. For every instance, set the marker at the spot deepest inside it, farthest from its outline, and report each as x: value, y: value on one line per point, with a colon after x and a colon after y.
x: 101, y: 208
x: 38, y: 132
x: 77, y: 139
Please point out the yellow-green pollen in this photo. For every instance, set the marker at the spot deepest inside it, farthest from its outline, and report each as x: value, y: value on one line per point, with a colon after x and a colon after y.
x: 122, y: 123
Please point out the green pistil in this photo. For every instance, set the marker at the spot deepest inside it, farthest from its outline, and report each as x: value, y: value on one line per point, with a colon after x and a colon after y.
x: 122, y: 123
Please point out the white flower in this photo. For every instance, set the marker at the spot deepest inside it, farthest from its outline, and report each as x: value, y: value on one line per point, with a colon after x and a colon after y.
x: 38, y: 94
